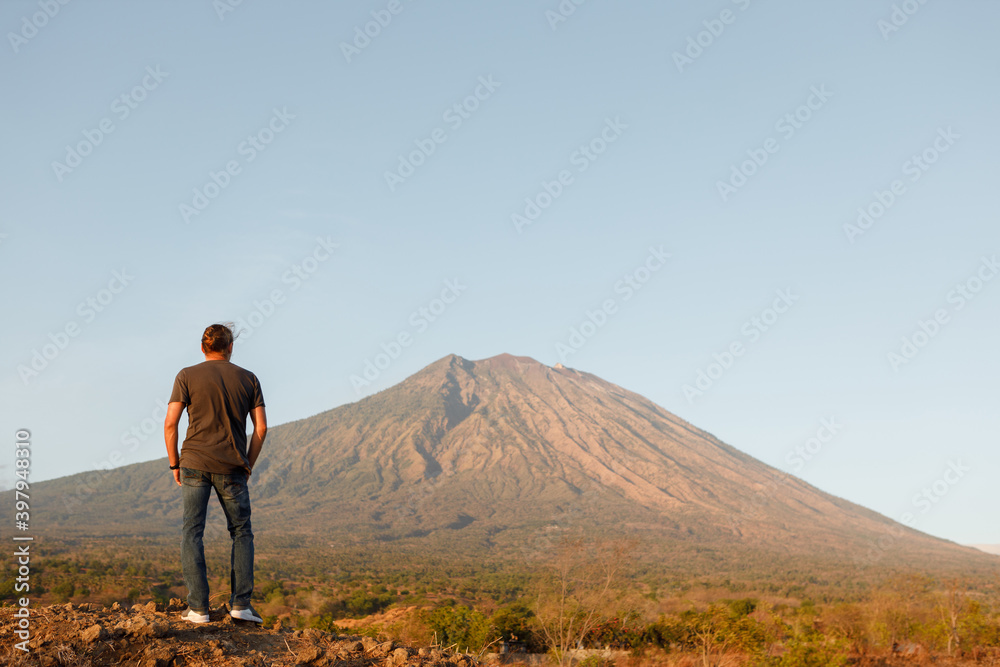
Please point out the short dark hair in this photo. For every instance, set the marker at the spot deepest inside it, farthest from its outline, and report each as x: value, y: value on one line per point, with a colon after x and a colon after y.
x: 217, y: 337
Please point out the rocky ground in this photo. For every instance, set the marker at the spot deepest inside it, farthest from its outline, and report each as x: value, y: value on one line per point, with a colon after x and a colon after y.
x: 153, y: 635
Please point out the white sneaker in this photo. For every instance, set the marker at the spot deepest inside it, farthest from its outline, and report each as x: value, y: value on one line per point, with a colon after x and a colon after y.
x: 194, y: 617
x: 246, y: 614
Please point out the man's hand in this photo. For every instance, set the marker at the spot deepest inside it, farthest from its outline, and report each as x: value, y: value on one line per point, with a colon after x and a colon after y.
x: 177, y: 476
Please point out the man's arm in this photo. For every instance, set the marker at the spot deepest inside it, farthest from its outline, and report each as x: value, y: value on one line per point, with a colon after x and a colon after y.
x: 259, y: 419
x: 173, y: 418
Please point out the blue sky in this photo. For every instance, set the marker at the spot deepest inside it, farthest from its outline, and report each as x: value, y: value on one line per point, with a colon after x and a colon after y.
x: 747, y: 163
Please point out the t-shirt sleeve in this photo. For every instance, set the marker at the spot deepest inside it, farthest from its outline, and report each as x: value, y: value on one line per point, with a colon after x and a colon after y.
x: 179, y: 394
x: 258, y: 395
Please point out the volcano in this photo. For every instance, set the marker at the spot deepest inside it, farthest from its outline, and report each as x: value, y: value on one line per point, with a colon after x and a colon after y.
x: 497, y: 456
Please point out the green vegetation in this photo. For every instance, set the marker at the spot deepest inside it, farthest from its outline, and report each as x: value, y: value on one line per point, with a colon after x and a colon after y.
x: 789, y: 619
x: 458, y: 625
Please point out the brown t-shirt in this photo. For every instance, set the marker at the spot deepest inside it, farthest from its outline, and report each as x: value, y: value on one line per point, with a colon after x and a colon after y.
x: 219, y: 395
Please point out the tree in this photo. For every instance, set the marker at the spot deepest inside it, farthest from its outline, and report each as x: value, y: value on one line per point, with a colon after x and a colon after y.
x: 577, y: 593
x: 514, y: 622
x: 950, y: 606
x: 846, y: 620
x: 891, y: 620
x: 719, y: 629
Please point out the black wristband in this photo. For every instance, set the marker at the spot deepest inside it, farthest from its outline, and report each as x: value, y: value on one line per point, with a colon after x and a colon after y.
x: 176, y: 467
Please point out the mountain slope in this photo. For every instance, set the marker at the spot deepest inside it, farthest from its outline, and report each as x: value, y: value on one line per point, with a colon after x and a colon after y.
x: 492, y: 455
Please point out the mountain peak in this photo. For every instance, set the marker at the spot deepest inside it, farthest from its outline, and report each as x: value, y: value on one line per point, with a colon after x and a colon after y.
x: 503, y: 361
x: 509, y: 361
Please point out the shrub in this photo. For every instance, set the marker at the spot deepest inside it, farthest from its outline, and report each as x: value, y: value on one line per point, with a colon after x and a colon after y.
x: 613, y: 633
x: 811, y: 652
x: 7, y: 589
x: 361, y: 603
x: 459, y: 625
x: 64, y: 591
x: 743, y: 606
x: 515, y: 622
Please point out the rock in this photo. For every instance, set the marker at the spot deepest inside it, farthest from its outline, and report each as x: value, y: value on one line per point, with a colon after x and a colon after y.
x: 911, y: 650
x: 176, y: 604
x: 143, y: 626
x: 399, y: 657
x: 116, y: 607
x: 68, y: 606
x: 368, y: 643
x: 158, y: 655
x: 93, y: 633
x: 423, y: 652
x: 308, y: 654
x: 313, y: 633
x: 382, y: 650
x: 150, y: 606
x: 137, y: 627
x: 159, y: 628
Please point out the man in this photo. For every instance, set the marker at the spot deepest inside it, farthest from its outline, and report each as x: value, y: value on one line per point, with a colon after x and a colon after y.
x: 218, y: 396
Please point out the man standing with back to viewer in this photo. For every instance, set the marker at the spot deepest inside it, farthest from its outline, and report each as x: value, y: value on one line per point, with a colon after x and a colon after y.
x: 218, y: 396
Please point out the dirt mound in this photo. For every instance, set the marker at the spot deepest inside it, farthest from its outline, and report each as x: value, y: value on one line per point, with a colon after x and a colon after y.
x: 153, y: 635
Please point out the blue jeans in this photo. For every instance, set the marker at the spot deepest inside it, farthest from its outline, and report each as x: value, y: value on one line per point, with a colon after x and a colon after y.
x: 234, y: 497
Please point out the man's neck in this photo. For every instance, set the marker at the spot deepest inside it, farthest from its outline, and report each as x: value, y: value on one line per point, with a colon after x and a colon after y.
x: 215, y: 357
